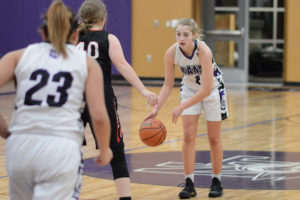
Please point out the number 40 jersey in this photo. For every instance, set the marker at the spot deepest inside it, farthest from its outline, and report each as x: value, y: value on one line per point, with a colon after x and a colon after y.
x: 50, y: 92
x: 96, y: 44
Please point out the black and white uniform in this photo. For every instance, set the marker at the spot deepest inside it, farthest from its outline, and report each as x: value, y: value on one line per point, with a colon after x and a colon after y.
x: 96, y: 44
x: 44, y: 159
x: 215, y: 105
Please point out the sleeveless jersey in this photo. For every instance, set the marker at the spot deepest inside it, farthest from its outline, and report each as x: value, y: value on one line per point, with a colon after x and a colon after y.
x: 96, y: 44
x: 191, y: 69
x: 49, y: 92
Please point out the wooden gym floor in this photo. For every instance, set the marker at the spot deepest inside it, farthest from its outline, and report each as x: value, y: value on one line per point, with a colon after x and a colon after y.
x: 261, y: 142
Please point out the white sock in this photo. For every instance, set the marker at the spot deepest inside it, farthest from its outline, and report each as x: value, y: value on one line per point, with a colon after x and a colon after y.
x: 191, y: 176
x: 218, y: 176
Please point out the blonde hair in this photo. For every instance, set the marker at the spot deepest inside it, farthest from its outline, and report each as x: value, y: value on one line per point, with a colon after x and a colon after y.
x: 58, y: 26
x: 192, y: 24
x: 90, y: 13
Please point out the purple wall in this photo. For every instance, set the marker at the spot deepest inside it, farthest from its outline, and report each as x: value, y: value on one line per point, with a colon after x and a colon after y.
x: 20, y: 20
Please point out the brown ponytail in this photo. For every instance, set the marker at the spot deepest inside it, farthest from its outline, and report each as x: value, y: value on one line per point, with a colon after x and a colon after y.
x: 58, y: 24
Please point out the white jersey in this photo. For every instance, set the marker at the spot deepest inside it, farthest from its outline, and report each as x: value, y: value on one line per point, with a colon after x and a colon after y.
x: 191, y: 69
x: 50, y: 92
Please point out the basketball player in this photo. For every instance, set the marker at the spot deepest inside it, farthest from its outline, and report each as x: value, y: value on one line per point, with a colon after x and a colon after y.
x: 202, y: 90
x: 43, y: 152
x: 106, y: 49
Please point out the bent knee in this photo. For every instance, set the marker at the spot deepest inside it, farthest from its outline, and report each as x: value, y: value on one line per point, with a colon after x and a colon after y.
x: 214, y: 140
x: 189, y: 137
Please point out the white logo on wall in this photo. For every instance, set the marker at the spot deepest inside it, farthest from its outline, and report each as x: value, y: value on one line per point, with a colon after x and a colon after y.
x: 254, y: 168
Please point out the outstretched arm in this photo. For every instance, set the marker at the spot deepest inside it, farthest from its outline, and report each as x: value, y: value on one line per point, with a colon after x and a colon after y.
x: 117, y: 57
x: 168, y: 82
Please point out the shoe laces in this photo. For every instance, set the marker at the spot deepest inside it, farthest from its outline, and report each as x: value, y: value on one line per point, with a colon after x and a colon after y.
x: 187, y: 183
x: 181, y: 185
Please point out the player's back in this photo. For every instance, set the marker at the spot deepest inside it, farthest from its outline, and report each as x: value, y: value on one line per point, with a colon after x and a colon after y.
x: 96, y: 44
x: 50, y: 92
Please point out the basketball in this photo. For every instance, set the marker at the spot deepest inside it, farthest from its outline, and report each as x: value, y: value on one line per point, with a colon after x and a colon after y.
x: 153, y: 132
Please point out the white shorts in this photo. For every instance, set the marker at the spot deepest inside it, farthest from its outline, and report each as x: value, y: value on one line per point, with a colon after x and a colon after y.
x: 214, y: 106
x: 43, y: 167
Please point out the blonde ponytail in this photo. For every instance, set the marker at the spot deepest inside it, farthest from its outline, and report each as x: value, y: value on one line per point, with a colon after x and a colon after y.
x: 58, y: 23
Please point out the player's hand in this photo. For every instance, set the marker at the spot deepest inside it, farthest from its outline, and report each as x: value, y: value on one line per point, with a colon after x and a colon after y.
x: 152, y: 98
x: 152, y: 114
x: 104, y: 157
x: 176, y: 113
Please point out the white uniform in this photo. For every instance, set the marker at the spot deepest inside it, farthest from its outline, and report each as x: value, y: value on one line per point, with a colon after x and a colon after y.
x: 43, y: 153
x: 215, y: 105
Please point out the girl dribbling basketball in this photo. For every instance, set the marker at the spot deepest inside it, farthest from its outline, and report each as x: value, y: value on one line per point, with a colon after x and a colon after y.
x: 202, y: 91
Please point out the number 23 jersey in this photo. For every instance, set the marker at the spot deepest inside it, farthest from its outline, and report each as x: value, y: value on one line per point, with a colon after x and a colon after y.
x: 50, y: 92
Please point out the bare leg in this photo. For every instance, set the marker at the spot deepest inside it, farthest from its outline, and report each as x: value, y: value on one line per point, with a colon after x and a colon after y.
x: 190, y: 125
x: 215, y: 142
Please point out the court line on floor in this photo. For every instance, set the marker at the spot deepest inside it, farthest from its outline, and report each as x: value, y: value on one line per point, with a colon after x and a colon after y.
x: 205, y: 134
x: 7, y: 93
x: 222, y: 131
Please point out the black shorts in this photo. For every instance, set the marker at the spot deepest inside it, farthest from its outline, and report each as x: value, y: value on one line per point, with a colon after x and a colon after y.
x: 116, y: 138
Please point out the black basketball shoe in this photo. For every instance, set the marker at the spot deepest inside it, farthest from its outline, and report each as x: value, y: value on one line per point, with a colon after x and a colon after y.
x: 216, y: 189
x: 188, y: 190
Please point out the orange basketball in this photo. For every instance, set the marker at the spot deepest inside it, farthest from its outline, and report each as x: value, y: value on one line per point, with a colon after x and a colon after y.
x: 153, y: 132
